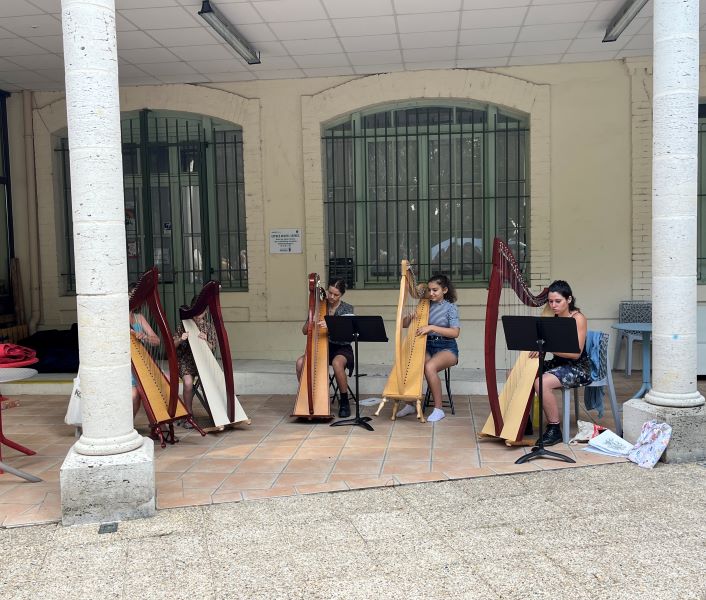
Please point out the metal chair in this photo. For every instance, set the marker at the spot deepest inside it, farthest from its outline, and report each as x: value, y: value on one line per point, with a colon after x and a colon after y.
x: 605, y: 378
x: 447, y: 380
x: 333, y: 386
x: 630, y: 311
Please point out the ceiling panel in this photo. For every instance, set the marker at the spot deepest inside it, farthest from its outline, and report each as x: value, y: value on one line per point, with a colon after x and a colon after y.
x: 167, y: 41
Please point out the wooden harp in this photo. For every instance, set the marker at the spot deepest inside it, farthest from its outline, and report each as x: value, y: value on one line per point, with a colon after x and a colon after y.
x: 215, y: 387
x: 313, y: 398
x: 406, y: 378
x: 155, y: 366
x: 510, y: 409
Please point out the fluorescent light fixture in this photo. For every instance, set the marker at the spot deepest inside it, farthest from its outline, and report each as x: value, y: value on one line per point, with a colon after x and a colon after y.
x: 622, y: 19
x: 229, y: 33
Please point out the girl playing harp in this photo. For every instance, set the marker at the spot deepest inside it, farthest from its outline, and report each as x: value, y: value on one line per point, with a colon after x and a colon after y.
x: 187, y: 365
x: 441, y: 347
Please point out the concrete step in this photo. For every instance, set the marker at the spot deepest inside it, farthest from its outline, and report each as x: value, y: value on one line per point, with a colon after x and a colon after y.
x: 264, y: 377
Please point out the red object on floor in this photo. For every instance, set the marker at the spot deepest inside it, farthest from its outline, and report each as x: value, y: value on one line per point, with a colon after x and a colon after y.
x: 22, y: 362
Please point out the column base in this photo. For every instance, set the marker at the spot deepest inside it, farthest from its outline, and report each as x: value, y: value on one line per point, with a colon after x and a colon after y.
x: 97, y: 489
x: 688, y: 442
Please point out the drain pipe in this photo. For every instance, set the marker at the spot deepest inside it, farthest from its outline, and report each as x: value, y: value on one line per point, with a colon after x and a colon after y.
x: 32, y: 223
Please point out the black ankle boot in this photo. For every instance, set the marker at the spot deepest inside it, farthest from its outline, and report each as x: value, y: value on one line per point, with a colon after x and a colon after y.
x: 552, y: 435
x: 344, y: 407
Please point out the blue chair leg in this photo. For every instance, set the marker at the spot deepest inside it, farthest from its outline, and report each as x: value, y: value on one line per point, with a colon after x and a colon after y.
x: 566, y: 421
x: 617, y: 416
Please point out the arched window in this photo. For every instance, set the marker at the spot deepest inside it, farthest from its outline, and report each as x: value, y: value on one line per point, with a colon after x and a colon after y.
x: 184, y: 203
x: 430, y: 183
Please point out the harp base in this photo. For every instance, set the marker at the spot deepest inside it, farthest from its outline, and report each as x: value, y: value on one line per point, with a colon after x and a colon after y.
x: 396, y: 406
x: 542, y: 452
x: 360, y: 421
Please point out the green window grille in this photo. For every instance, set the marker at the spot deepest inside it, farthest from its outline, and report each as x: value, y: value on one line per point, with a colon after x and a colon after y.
x: 701, y: 199
x: 184, y: 203
x: 432, y: 184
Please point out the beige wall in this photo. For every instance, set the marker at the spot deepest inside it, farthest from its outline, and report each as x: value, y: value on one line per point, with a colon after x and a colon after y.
x: 580, y: 175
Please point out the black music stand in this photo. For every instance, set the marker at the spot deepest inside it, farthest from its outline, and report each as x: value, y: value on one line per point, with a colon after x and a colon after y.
x: 356, y: 329
x: 542, y: 335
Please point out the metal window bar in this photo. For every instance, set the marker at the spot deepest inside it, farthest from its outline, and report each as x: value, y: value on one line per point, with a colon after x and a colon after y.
x: 169, y: 165
x: 465, y: 185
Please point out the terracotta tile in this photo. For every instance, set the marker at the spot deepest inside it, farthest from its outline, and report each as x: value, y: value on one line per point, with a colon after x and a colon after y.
x: 411, y: 442
x: 455, y: 442
x: 470, y: 472
x: 505, y: 469
x: 262, y: 465
x: 274, y: 492
x: 454, y: 465
x: 230, y: 496
x: 334, y: 486
x: 248, y: 481
x: 406, y: 467
x: 237, y: 451
x: 371, y: 467
x: 291, y: 479
x: 27, y: 493
x: 174, y: 466
x: 375, y: 453
x: 170, y: 487
x: 318, y: 452
x: 273, y: 452
x: 420, y: 477
x: 366, y: 482
x: 403, y: 454
x: 215, y: 465
x: 504, y: 455
x: 325, y: 440
x: 461, y: 455
x: 194, y: 480
x: 308, y: 466
x: 359, y: 441
x: 41, y: 515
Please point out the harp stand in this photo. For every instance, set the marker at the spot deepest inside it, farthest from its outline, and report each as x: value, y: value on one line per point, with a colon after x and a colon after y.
x: 356, y: 329
x: 542, y: 335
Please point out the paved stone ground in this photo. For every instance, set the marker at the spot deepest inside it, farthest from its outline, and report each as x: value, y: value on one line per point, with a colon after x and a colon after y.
x: 612, y: 531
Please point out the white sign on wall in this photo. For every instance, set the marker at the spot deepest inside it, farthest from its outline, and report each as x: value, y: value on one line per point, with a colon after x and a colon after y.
x: 285, y: 241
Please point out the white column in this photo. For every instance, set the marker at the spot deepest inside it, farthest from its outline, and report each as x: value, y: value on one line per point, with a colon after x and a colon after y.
x: 674, y: 186
x: 109, y: 473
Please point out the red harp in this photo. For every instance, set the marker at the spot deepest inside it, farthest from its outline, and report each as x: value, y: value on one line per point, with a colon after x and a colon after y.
x: 154, y: 361
x: 312, y: 398
x: 510, y: 409
x: 215, y: 386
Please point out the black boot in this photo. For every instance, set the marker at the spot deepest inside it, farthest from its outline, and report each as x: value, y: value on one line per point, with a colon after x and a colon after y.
x: 344, y: 407
x: 529, y: 430
x: 552, y: 435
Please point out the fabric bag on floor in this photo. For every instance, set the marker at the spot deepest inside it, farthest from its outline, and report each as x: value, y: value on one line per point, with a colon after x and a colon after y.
x: 653, y: 441
x: 586, y: 431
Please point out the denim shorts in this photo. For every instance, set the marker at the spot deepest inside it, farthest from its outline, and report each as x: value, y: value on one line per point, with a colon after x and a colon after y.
x: 436, y: 343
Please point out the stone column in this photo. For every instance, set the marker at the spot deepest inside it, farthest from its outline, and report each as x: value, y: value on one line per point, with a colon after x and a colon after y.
x: 108, y: 475
x: 674, y: 397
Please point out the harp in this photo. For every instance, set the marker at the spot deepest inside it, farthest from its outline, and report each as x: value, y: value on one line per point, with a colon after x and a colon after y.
x: 312, y: 398
x: 155, y: 365
x: 215, y: 387
x: 510, y: 409
x: 406, y: 378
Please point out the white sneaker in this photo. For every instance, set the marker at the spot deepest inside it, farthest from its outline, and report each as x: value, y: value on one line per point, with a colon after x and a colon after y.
x: 407, y: 409
x: 436, y: 415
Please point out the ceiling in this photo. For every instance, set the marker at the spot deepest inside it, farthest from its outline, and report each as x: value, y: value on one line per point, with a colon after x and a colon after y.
x: 165, y: 41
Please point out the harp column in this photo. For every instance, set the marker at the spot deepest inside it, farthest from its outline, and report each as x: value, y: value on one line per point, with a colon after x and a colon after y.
x: 674, y: 397
x: 108, y: 475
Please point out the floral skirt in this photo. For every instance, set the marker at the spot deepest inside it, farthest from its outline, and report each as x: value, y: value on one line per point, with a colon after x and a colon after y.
x: 570, y: 373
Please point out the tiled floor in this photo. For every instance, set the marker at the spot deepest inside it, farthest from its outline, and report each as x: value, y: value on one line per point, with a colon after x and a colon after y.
x: 276, y: 455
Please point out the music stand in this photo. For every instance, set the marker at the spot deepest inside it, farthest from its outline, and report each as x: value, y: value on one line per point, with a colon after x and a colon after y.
x: 356, y: 329
x: 541, y: 334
